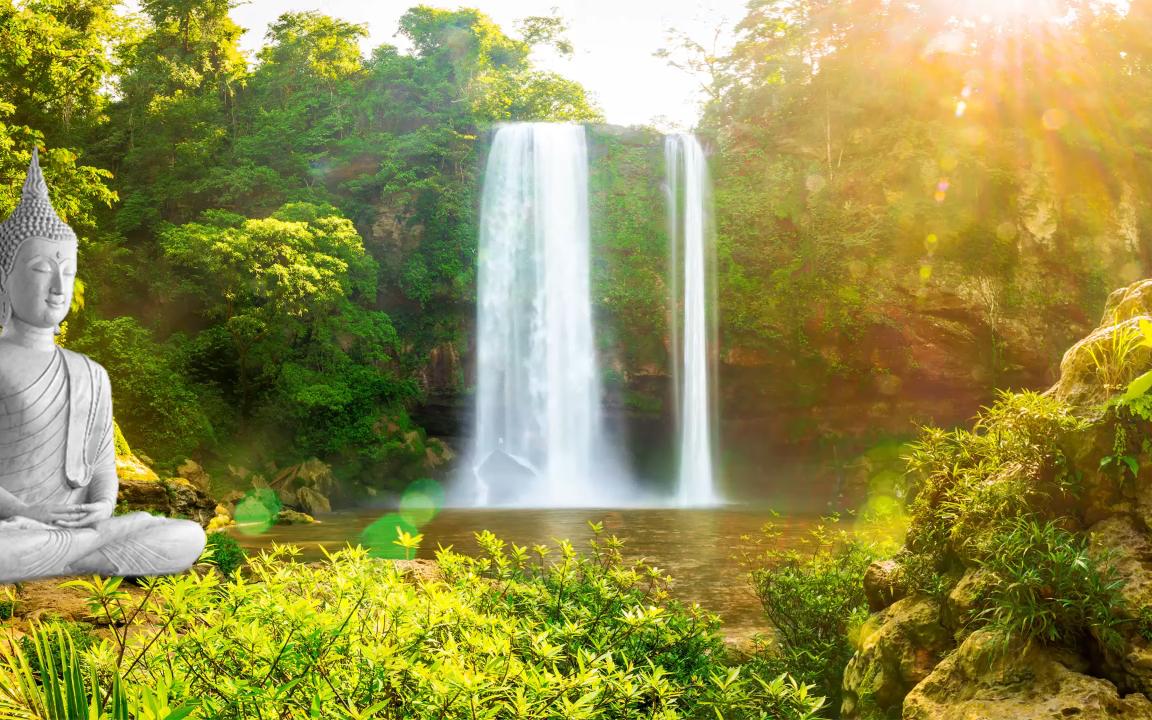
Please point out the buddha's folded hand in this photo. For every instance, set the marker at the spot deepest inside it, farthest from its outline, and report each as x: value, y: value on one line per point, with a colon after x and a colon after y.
x: 91, y: 513
x: 54, y: 514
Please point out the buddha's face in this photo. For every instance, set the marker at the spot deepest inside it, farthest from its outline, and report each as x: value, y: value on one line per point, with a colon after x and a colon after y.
x: 40, y: 285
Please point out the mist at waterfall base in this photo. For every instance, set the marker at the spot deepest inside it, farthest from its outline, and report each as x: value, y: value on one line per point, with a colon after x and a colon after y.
x: 540, y: 436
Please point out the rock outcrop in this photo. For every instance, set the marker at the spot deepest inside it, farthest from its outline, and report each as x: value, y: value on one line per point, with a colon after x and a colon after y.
x: 934, y: 657
x: 141, y: 489
x: 987, y: 678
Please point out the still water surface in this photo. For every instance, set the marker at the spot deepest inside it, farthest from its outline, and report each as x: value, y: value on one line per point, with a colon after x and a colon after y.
x: 700, y: 549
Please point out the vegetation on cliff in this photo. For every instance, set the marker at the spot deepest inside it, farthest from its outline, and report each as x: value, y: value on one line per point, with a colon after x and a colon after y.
x: 1025, y: 549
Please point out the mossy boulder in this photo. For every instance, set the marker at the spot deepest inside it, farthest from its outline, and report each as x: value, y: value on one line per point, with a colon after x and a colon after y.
x: 141, y: 489
x: 287, y: 516
x: 884, y: 584
x: 1126, y: 543
x: 1099, y: 365
x: 897, y: 649
x: 172, y: 497
x: 1066, y: 475
x: 989, y: 678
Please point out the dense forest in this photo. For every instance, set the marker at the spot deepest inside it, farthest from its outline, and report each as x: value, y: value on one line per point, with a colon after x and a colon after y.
x: 279, y: 251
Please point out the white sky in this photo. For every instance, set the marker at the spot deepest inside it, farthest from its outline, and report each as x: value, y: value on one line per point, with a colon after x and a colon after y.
x: 614, y: 42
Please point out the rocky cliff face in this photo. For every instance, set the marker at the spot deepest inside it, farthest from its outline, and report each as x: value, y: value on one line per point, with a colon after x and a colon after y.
x: 930, y: 652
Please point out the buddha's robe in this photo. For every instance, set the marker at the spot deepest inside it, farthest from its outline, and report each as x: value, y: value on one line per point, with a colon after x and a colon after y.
x: 56, y: 447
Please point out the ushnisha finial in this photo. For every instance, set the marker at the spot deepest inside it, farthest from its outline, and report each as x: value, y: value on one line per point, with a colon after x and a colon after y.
x: 34, y: 185
x: 33, y: 217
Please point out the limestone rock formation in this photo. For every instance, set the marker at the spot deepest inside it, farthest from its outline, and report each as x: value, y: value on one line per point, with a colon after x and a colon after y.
x: 985, y: 678
x: 898, y: 648
x: 1090, y: 470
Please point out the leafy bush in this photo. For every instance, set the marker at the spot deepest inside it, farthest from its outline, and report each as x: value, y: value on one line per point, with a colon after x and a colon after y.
x: 966, y: 483
x: 46, y: 679
x: 66, y: 634
x: 996, y: 498
x: 1048, y: 588
x: 155, y: 403
x: 225, y: 553
x: 814, y: 598
x: 509, y: 634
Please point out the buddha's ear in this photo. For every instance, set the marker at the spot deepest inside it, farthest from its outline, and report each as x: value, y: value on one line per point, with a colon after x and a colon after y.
x: 5, y: 306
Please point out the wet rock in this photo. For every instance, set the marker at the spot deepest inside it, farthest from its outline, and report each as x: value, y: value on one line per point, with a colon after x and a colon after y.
x: 898, y: 648
x: 172, y: 497
x: 986, y: 678
x: 292, y: 517
x: 193, y: 473
x: 884, y: 584
x: 1127, y: 545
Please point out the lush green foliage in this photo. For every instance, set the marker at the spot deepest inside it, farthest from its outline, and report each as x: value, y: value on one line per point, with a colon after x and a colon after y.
x: 505, y: 635
x: 1005, y: 499
x: 876, y: 160
x: 1047, y: 586
x: 225, y: 553
x: 153, y: 393
x: 630, y: 264
x: 813, y: 595
x: 263, y: 201
x: 967, y: 483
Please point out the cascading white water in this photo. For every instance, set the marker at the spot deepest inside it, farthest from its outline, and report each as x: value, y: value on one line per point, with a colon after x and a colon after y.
x: 539, y: 436
x: 690, y: 232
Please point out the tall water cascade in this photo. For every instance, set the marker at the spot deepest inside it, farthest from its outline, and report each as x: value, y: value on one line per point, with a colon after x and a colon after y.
x: 539, y: 437
x: 690, y: 233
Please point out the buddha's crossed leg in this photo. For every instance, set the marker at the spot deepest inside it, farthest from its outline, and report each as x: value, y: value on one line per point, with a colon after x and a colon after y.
x: 128, y: 545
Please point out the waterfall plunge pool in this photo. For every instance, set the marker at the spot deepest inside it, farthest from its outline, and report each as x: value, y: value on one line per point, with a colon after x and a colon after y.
x: 699, y: 548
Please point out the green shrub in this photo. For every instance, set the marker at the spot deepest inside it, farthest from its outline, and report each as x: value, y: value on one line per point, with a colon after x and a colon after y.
x: 509, y: 634
x: 1048, y: 587
x: 79, y: 635
x: 963, y: 484
x: 225, y: 553
x: 814, y: 598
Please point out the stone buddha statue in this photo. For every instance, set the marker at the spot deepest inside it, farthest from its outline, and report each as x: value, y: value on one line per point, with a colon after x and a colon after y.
x: 58, y: 480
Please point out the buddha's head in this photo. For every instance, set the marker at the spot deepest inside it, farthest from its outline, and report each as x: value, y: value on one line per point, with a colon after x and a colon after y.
x: 37, y: 258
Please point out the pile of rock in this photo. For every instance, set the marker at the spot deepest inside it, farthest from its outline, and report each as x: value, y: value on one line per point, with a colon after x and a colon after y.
x: 920, y: 657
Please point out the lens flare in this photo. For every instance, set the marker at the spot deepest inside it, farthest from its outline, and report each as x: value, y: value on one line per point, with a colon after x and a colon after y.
x: 380, y: 537
x: 421, y: 502
x: 257, y: 511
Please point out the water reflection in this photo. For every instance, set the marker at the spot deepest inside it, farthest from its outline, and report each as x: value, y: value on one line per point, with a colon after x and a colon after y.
x: 698, y: 548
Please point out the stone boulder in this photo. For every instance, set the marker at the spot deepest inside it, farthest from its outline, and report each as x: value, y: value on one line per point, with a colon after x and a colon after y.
x: 131, y: 468
x: 985, y: 678
x: 964, y: 601
x: 897, y: 649
x: 1077, y: 480
x: 287, y: 516
x: 1098, y: 366
x: 312, y: 502
x: 173, y: 497
x: 193, y: 473
x: 1128, y: 548
x: 883, y: 584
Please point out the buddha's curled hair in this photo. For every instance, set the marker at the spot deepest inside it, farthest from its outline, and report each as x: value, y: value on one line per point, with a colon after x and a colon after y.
x: 33, y: 217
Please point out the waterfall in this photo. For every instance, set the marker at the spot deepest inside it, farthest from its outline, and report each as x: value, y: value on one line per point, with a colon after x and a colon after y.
x: 690, y: 233
x: 539, y: 432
